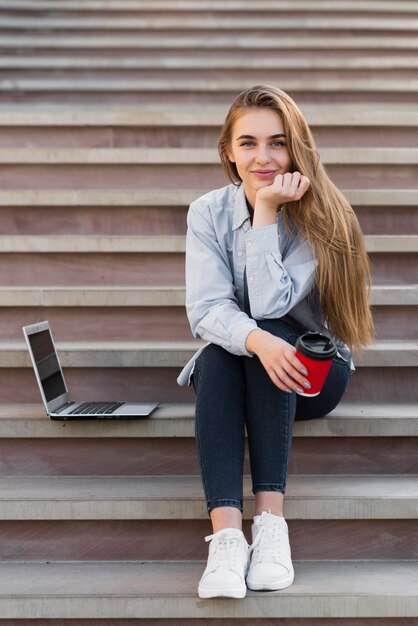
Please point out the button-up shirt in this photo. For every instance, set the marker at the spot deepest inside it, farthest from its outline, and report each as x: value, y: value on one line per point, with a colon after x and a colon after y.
x: 221, y: 249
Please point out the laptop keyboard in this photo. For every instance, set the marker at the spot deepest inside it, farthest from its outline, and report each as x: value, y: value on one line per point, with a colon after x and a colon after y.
x: 96, y: 408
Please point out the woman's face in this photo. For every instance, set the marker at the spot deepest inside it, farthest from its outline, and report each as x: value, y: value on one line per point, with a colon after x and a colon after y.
x: 258, y: 149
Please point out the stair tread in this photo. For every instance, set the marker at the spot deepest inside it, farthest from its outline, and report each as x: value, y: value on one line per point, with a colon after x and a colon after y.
x: 187, y: 156
x: 53, y: 114
x: 164, y: 295
x: 156, y: 243
x: 213, y: 22
x: 181, y: 497
x: 202, y: 63
x: 177, y: 420
x: 172, y: 197
x: 99, y: 84
x: 32, y: 39
x: 150, y: 589
x: 177, y: 353
x: 213, y: 5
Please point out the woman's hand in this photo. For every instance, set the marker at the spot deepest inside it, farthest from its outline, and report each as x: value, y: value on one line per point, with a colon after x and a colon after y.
x: 288, y: 187
x: 279, y: 360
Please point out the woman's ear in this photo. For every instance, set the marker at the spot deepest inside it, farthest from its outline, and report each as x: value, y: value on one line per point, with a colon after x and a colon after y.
x: 230, y: 156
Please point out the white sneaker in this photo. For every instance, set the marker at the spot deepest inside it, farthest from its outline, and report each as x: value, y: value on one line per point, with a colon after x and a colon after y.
x: 227, y: 565
x: 271, y: 564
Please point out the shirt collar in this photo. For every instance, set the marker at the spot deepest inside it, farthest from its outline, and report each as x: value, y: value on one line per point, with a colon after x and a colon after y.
x: 241, y: 212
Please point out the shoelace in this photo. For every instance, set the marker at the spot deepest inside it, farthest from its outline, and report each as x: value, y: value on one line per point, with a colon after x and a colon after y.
x: 225, y: 549
x: 267, y: 542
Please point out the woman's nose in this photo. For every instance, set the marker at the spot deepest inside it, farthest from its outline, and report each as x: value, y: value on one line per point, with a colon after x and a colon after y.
x: 263, y: 155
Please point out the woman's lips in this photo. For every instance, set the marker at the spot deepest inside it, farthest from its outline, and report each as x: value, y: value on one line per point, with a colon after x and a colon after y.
x: 265, y: 173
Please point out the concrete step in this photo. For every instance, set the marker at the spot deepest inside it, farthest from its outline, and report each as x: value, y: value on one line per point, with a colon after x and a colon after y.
x: 109, y: 127
x: 311, y: 41
x: 176, y: 456
x: 158, y: 313
x: 172, y: 198
x: 209, y: 88
x: 190, y: 156
x: 127, y: 590
x: 147, y: 370
x: 135, y: 168
x: 160, y: 323
x: 138, y: 540
x: 126, y: 244
x: 21, y: 421
x: 159, y: 354
x: 240, y: 22
x: 140, y: 218
x: 181, y: 497
x: 54, y: 115
x: 105, y: 268
x: 155, y: 296
x: 278, y: 6
x: 204, y: 63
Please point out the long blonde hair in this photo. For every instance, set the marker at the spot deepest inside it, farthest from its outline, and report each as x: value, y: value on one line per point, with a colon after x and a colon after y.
x: 323, y: 214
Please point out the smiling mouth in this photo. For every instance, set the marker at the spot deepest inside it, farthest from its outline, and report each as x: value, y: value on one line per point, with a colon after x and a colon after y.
x: 264, y: 172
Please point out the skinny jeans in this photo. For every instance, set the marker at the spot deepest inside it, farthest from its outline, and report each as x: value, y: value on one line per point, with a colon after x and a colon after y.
x: 234, y: 392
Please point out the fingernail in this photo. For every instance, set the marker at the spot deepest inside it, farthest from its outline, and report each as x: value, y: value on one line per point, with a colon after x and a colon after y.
x: 299, y: 389
x: 304, y: 371
x: 307, y: 384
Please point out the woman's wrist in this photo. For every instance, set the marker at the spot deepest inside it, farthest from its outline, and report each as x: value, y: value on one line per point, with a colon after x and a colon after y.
x: 254, y: 340
x: 264, y: 214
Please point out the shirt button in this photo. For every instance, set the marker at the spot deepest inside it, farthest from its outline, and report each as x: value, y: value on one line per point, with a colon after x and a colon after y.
x: 250, y: 243
x: 252, y: 277
x: 240, y: 253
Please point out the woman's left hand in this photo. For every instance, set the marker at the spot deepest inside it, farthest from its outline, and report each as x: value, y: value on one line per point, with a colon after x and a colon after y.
x: 279, y: 359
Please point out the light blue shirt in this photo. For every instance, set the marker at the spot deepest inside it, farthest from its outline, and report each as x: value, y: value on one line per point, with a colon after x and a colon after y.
x: 221, y: 247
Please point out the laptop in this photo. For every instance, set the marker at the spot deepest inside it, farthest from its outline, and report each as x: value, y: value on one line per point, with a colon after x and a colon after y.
x: 54, y: 391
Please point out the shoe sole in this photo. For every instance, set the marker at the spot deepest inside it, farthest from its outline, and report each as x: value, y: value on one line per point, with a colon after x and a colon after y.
x: 232, y: 592
x: 282, y: 583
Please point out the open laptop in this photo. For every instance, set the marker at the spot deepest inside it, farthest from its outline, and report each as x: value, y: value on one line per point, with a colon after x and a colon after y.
x: 54, y: 391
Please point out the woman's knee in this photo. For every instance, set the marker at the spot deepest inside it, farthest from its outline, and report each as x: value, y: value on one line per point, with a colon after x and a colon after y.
x: 217, y: 366
x: 330, y: 396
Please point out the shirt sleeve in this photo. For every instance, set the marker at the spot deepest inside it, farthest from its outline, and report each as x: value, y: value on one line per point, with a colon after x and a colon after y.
x: 277, y: 283
x: 211, y: 304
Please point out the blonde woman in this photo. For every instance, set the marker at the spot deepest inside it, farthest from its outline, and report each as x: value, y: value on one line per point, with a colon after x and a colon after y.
x: 277, y: 252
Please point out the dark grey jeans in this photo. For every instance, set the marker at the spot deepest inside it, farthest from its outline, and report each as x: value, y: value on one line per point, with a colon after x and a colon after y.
x: 235, y: 391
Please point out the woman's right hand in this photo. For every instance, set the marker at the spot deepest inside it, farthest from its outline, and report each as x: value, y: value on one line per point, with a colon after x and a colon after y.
x: 279, y: 359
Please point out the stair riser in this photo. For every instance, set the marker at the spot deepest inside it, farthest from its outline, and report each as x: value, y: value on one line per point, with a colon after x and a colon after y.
x: 194, y: 11
x: 110, y: 220
x: 400, y: 621
x: 159, y: 323
x: 163, y: 220
x: 188, y: 176
x: 256, y: 76
x: 211, y: 622
x: 177, y: 456
x: 94, y: 269
x: 73, y: 47
x: 143, y: 96
x: 368, y: 385
x: 177, y: 540
x: 47, y: 269
x: 190, y: 137
x: 100, y: 323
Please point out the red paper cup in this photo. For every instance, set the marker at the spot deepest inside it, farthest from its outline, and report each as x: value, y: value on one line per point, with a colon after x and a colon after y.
x: 316, y: 352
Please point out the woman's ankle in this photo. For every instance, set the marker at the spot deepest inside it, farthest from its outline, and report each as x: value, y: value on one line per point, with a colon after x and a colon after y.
x: 226, y: 517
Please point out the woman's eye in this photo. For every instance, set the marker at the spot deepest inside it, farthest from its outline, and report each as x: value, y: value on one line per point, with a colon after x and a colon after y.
x: 278, y: 144
x: 248, y: 143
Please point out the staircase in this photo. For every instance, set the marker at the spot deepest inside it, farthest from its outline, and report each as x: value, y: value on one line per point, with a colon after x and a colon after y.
x: 109, y: 115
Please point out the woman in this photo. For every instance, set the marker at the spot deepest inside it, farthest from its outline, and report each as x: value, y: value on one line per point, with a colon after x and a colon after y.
x: 277, y: 252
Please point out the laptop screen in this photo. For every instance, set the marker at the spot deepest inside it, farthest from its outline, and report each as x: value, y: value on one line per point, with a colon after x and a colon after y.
x: 46, y: 362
